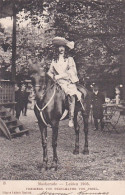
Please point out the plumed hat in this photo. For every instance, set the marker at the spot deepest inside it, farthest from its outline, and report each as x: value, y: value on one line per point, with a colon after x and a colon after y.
x: 60, y: 41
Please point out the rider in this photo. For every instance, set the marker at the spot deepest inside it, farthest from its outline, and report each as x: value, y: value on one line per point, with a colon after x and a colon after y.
x: 63, y: 70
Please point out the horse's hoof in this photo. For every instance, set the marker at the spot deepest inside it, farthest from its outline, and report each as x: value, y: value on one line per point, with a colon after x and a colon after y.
x: 44, y: 167
x: 75, y: 152
x: 56, y: 168
x: 53, y: 166
x: 85, y: 152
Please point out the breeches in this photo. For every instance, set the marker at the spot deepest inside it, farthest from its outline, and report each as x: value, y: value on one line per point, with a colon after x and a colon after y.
x: 70, y: 88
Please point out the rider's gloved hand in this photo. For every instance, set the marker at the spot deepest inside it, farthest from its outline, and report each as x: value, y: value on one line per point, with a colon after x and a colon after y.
x: 57, y: 77
x: 77, y: 83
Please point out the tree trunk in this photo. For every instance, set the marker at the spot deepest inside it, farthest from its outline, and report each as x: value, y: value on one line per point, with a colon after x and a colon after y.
x: 123, y: 74
x: 13, y: 69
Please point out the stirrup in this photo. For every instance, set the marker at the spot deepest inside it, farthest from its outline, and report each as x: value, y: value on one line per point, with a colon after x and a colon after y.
x: 82, y: 105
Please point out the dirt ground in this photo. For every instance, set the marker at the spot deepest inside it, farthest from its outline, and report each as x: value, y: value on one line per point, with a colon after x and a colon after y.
x: 21, y: 158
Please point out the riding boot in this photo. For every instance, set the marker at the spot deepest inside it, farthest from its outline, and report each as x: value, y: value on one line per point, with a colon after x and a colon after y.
x: 80, y: 99
x: 71, y: 100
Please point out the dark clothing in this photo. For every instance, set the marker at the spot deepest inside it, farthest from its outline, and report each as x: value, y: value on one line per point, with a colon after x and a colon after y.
x: 97, y: 101
x: 96, y: 123
x: 19, y: 98
x: 26, y: 96
x: 17, y: 95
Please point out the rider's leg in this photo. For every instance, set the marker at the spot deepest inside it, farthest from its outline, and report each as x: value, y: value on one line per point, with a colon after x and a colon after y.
x: 71, y: 100
x: 79, y: 97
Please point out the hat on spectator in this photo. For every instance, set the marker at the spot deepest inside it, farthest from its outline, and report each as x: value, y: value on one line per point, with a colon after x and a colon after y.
x: 95, y: 86
x: 60, y: 41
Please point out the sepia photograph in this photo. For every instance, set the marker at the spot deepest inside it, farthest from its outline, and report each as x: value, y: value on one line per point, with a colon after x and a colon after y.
x: 62, y: 97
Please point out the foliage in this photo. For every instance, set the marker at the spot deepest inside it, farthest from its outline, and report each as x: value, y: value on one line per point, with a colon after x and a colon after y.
x: 96, y: 26
x: 98, y: 31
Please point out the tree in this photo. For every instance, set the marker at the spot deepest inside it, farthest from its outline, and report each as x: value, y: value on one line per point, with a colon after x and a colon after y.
x: 96, y: 26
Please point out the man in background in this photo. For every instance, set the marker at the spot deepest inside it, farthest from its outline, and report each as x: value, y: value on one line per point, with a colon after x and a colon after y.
x: 97, y: 105
x: 26, y: 99
x: 20, y: 99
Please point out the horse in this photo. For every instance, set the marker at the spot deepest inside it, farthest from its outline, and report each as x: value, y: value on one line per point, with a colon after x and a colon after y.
x: 51, y: 102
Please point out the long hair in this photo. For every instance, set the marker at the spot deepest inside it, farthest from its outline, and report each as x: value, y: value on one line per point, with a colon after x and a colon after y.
x: 56, y: 53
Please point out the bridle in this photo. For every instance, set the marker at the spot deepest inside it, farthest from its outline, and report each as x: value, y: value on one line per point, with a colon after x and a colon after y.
x: 46, y: 89
x: 42, y: 109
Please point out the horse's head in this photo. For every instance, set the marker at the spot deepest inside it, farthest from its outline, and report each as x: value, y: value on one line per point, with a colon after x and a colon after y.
x: 38, y: 77
x: 40, y: 80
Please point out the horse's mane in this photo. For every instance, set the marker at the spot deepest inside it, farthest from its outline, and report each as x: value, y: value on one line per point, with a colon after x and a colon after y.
x: 48, y: 79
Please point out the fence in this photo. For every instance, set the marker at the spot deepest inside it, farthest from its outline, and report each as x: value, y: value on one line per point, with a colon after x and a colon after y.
x: 7, y: 93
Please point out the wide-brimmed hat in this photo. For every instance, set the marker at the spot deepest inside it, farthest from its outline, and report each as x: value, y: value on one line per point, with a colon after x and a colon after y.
x: 60, y: 41
x: 95, y: 86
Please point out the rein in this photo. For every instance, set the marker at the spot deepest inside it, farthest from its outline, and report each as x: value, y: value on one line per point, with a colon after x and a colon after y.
x: 46, y: 90
x: 42, y: 109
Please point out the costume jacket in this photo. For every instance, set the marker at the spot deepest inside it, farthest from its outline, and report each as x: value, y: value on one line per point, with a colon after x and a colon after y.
x: 97, y: 101
x: 66, y: 68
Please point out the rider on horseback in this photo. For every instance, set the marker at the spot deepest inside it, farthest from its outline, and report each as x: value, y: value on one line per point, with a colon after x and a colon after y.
x: 63, y: 70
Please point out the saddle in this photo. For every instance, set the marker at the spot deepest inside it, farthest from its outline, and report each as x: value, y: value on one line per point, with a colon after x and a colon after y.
x: 82, y: 89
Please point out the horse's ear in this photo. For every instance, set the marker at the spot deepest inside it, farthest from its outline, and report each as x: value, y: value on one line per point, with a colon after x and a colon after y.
x: 42, y: 71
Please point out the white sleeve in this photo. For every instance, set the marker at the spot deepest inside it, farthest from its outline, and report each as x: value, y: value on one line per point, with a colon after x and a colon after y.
x: 72, y: 70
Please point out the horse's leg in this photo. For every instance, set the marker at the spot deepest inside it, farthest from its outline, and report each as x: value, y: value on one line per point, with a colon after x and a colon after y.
x: 54, y: 145
x: 85, y: 119
x: 43, y: 131
x: 76, y: 127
